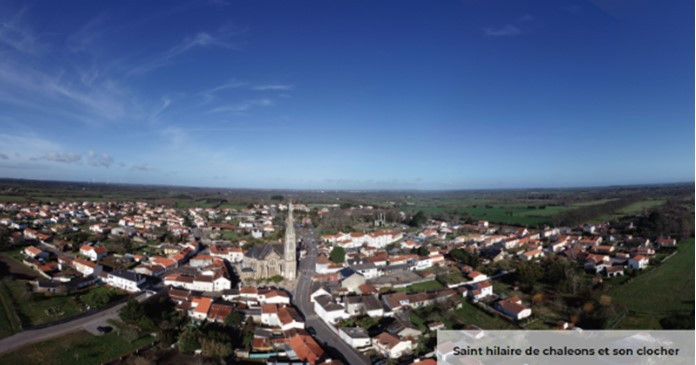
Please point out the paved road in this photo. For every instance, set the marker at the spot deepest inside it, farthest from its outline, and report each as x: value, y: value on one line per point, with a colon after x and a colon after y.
x: 89, y: 322
x: 301, y: 301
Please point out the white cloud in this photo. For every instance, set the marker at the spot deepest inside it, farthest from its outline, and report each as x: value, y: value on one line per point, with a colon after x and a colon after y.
x: 506, y: 30
x: 103, y: 160
x: 276, y: 87
x: 240, y: 107
x: 65, y: 157
x: 200, y: 40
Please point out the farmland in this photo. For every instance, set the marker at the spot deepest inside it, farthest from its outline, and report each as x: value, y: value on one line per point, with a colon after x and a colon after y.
x: 673, y: 280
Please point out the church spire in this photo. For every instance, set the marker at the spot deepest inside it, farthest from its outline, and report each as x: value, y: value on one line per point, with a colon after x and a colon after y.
x: 290, y: 250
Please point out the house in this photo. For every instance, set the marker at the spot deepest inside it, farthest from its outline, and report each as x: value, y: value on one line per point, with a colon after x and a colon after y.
x: 126, y: 280
x: 94, y: 253
x: 356, y: 337
x: 480, y: 290
x: 353, y: 282
x: 531, y: 254
x: 86, y: 267
x: 306, y: 348
x: 35, y: 253
x: 200, y: 307
x: 269, y: 315
x: 289, y: 318
x: 328, y: 310
x: 514, y: 308
x: 475, y: 277
x: 638, y: 262
x: 391, y: 346
x: 434, y: 326
x: 612, y: 271
x: 666, y: 242
x: 403, y: 329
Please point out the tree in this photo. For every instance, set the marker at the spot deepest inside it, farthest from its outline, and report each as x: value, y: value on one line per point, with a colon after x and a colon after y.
x: 338, y: 254
x: 188, y: 341
x: 216, y: 348
x: 132, y: 313
x: 418, y: 219
x: 234, y: 320
x: 277, y: 197
x: 98, y: 298
x: 529, y: 273
x: 423, y: 251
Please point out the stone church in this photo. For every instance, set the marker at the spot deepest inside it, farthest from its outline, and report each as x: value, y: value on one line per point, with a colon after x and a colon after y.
x: 268, y: 260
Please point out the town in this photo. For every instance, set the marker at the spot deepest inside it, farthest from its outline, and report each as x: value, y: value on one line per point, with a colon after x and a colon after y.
x: 273, y: 282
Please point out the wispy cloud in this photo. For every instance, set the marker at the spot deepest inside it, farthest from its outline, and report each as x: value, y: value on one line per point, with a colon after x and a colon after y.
x: 14, y: 34
x: 276, y: 87
x: 96, y: 160
x: 142, y: 167
x: 199, y: 40
x: 4, y: 156
x: 240, y: 107
x: 506, y: 30
x: 90, y: 98
x: 526, y: 18
x: 65, y: 157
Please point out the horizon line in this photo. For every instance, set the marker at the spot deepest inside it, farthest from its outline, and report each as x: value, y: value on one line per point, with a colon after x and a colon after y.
x: 630, y: 185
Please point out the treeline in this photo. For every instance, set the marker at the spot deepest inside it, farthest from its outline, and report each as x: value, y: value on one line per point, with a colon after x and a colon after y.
x: 587, y: 213
x: 674, y: 219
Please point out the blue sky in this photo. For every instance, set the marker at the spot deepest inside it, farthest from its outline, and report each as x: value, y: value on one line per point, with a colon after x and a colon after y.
x: 348, y: 95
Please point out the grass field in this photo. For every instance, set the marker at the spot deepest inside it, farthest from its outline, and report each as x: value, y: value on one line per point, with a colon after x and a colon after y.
x: 9, y: 321
x: 34, y: 309
x: 76, y: 348
x: 470, y: 314
x: 12, y: 198
x: 518, y: 213
x: 666, y: 289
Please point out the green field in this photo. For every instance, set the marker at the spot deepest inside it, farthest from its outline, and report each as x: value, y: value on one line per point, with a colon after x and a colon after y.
x: 470, y: 314
x: 653, y: 295
x: 76, y: 349
x: 521, y: 212
x: 9, y: 321
x: 34, y: 309
x: 22, y: 308
x: 11, y: 198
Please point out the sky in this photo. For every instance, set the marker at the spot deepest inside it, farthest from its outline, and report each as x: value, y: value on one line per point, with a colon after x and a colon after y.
x: 348, y: 94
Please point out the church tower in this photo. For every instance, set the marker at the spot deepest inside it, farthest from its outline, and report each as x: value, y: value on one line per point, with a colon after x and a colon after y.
x: 290, y: 251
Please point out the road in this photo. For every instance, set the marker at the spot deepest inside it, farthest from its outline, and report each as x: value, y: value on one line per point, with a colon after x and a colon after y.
x: 301, y: 300
x: 89, y: 323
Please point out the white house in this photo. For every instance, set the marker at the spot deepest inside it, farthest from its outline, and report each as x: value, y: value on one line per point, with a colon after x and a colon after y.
x: 125, y: 280
x: 513, y: 307
x: 328, y: 310
x: 85, y: 267
x: 94, y: 253
x: 391, y: 346
x: 269, y: 315
x: 638, y: 262
x: 356, y: 337
x: 480, y: 290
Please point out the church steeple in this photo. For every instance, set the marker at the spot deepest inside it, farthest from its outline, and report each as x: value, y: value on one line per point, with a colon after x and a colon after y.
x: 290, y: 251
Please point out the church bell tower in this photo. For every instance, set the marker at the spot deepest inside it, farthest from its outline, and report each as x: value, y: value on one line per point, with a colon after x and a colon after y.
x: 290, y: 251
